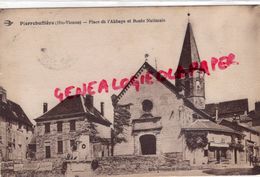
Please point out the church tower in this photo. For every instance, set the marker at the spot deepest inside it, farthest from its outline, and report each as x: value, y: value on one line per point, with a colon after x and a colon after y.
x: 189, y: 77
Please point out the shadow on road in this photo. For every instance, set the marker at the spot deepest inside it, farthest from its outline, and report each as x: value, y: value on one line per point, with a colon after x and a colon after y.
x: 233, y: 171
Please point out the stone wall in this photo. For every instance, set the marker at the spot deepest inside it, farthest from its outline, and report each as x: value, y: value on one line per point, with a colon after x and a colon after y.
x: 141, y: 164
x: 43, y: 139
x: 43, y: 168
x: 174, y: 115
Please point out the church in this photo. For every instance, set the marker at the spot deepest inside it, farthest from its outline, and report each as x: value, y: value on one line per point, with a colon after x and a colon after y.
x: 162, y: 117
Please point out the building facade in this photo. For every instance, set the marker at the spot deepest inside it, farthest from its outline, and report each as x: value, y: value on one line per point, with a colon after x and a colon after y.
x: 235, y: 115
x: 16, y: 130
x: 73, y: 130
x: 223, y: 144
x: 152, y: 116
x: 159, y: 109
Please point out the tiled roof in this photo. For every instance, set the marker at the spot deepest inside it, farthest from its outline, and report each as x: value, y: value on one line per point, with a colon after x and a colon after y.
x: 73, y: 106
x: 207, y: 125
x: 70, y: 105
x: 13, y: 111
x: 228, y: 108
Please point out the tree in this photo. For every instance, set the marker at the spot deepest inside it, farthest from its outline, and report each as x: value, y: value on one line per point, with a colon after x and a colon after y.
x: 196, y: 140
x: 121, y: 120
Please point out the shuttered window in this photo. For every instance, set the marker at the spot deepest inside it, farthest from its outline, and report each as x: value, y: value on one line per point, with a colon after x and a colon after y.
x: 60, y: 147
x: 47, y: 127
x: 59, y: 126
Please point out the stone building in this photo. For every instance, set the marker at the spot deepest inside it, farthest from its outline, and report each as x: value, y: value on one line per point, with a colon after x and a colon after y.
x: 159, y: 109
x: 152, y: 116
x: 235, y: 115
x: 230, y: 110
x: 73, y: 129
x: 255, y: 115
x: 15, y: 129
x: 250, y: 141
x: 224, y: 145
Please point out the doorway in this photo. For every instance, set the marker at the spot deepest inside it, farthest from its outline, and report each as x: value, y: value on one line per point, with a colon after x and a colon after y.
x: 235, y: 156
x: 148, y: 144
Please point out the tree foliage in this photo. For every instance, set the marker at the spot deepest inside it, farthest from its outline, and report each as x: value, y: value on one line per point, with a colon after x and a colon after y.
x: 121, y: 119
x: 93, y: 134
x: 196, y: 140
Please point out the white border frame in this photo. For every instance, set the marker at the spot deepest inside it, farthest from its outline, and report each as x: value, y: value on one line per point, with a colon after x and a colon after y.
x: 112, y: 3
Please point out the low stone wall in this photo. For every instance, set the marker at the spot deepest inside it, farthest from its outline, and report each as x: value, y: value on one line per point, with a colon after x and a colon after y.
x: 126, y: 164
x: 115, y: 165
x: 50, y: 168
x: 140, y: 164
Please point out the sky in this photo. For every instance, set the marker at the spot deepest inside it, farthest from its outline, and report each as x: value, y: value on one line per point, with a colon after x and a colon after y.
x: 36, y: 59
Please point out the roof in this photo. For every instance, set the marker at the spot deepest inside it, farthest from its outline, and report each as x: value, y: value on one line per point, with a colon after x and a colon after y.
x: 238, y: 126
x: 73, y: 106
x: 13, y: 111
x: 167, y: 84
x: 254, y: 115
x: 189, y: 53
x: 228, y: 108
x: 207, y: 125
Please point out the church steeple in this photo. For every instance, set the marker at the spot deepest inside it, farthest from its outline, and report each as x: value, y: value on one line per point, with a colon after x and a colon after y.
x: 189, y: 53
x: 188, y: 80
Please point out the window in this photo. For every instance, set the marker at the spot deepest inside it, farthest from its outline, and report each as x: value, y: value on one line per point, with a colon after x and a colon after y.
x: 19, y: 125
x: 205, y: 153
x: 1, y: 97
x: 60, y: 147
x: 147, y: 105
x: 73, y: 145
x: 1, y: 139
x: 224, y: 153
x: 47, y: 152
x: 72, y: 125
x: 14, y: 143
x: 198, y: 86
x: 108, y: 150
x: 47, y: 127
x: 59, y: 126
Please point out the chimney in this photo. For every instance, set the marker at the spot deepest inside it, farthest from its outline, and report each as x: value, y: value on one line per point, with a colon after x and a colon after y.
x: 3, y: 95
x: 102, y: 108
x: 216, y: 116
x: 45, y: 107
x: 257, y: 107
x: 89, y: 102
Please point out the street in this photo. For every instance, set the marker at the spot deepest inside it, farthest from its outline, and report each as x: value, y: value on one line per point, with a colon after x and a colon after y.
x: 203, y: 172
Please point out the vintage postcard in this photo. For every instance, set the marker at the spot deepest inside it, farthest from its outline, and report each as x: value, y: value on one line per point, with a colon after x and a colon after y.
x: 130, y: 91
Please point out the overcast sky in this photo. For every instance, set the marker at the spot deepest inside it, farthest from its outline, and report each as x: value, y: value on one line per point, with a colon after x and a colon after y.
x: 34, y: 60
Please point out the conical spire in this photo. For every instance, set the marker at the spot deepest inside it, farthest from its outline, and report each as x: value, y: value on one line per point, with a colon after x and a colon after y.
x: 189, y: 51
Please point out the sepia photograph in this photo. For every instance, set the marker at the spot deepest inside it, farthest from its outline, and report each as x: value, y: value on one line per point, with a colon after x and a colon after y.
x: 130, y: 91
